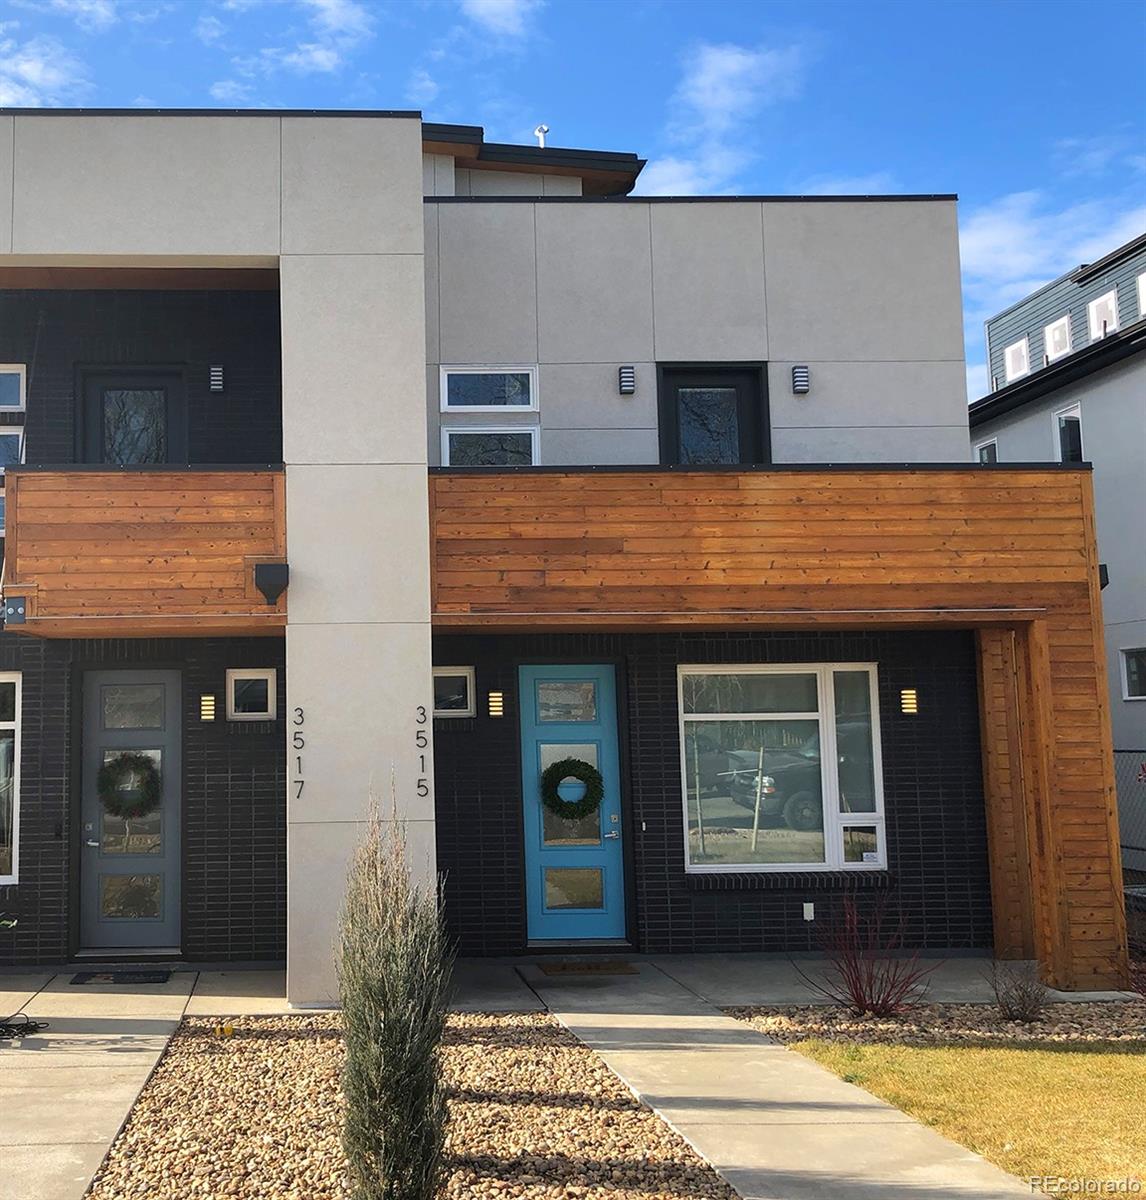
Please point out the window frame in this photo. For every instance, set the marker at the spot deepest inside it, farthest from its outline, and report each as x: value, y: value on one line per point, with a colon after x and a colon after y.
x: 1141, y: 282
x: 981, y: 446
x: 534, y: 432
x: 446, y: 370
x: 1071, y: 410
x: 1025, y: 343
x: 835, y: 822
x: 16, y: 431
x: 1090, y: 314
x: 1063, y: 320
x: 1123, y: 653
x: 21, y: 370
x: 270, y: 674
x: 15, y: 677
x: 753, y: 409
x: 454, y: 714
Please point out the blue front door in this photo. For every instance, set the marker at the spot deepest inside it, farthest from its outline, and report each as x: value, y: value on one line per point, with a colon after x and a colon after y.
x: 574, y: 869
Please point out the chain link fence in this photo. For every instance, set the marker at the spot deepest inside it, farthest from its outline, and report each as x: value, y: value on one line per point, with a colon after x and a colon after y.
x: 1130, y: 776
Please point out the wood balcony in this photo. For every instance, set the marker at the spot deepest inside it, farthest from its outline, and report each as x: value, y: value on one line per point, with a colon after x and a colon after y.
x: 142, y: 552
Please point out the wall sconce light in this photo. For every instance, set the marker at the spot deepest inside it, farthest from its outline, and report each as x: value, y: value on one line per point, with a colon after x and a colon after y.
x: 1103, y: 576
x: 271, y: 579
x: 206, y: 707
x: 801, y: 380
x: 496, y: 704
x: 215, y: 373
x: 909, y: 701
x: 626, y: 380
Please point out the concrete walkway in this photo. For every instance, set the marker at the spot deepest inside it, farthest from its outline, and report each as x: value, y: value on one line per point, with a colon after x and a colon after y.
x: 776, y: 1125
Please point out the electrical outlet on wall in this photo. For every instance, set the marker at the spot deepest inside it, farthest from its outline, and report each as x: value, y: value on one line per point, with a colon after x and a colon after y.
x: 809, y: 912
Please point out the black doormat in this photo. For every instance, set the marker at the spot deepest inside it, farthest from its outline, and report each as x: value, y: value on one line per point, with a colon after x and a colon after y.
x: 121, y: 977
x: 587, y: 968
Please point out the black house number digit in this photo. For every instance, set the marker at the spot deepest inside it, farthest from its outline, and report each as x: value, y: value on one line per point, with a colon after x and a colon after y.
x: 421, y: 740
x: 298, y: 742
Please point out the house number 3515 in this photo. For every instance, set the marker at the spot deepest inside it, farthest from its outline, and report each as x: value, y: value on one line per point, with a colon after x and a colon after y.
x: 422, y: 744
x: 298, y: 742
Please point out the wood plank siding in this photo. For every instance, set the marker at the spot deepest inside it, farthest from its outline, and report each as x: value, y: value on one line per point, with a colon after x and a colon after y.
x: 1008, y: 551
x: 143, y: 553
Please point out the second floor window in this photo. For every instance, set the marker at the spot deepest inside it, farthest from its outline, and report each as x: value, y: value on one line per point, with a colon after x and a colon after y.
x: 12, y: 380
x: 987, y: 452
x: 1068, y: 434
x: 1057, y: 338
x: 489, y: 389
x: 480, y: 446
x: 1103, y: 315
x: 1017, y: 360
x: 712, y: 415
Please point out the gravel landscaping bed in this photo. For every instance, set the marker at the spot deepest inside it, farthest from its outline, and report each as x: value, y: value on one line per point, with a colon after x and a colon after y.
x: 534, y: 1113
x: 935, y: 1024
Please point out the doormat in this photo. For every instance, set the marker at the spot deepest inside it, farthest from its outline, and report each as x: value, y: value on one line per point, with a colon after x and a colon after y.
x: 121, y: 977
x: 588, y: 968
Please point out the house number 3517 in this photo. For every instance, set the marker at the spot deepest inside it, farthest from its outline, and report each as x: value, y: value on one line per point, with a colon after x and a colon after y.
x: 422, y: 744
x: 298, y: 742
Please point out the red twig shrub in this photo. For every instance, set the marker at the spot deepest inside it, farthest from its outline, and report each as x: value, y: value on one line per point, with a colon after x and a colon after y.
x: 868, y: 972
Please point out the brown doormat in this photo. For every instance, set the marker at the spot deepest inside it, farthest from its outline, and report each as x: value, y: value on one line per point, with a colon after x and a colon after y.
x: 126, y: 977
x: 588, y: 968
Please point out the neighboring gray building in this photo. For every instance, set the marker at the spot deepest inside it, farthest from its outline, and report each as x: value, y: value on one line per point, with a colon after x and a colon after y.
x: 1070, y: 381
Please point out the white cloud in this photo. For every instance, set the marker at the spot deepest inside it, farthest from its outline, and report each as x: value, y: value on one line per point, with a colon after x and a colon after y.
x: 878, y: 183
x: 422, y: 87
x: 502, y: 18
x: 38, y: 72
x: 338, y: 28
x: 1015, y: 244
x: 230, y: 91
x: 209, y: 28
x: 92, y: 16
x: 724, y: 86
x: 1099, y: 154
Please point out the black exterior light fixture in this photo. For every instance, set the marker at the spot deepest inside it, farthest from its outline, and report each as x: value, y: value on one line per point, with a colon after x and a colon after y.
x: 801, y: 380
x: 215, y: 376
x: 626, y: 380
x: 271, y: 579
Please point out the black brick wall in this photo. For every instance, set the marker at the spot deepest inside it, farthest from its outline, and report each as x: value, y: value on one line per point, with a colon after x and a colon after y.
x: 938, y: 874
x: 53, y: 332
x: 234, y: 798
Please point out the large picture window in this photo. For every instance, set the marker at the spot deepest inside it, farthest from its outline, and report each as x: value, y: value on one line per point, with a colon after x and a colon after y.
x: 9, y: 775
x: 781, y: 768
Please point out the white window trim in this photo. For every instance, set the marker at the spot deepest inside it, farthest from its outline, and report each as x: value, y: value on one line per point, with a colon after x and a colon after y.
x: 533, y: 431
x: 270, y: 674
x: 834, y: 821
x: 470, y: 710
x: 1122, y: 653
x: 16, y: 431
x: 14, y: 677
x: 1142, y: 296
x: 444, y: 371
x: 1064, y: 320
x: 1091, y: 311
x: 1071, y: 410
x: 1026, y: 344
x: 22, y: 371
x: 982, y: 445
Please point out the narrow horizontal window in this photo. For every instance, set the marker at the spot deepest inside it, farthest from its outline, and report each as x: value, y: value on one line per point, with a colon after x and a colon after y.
x: 251, y: 694
x: 1134, y: 674
x: 454, y: 694
x: 9, y: 776
x: 780, y: 768
x: 489, y: 389
x: 13, y: 378
x: 1103, y: 315
x: 1068, y: 434
x: 476, y: 447
x: 1017, y: 360
x: 987, y: 452
x: 1056, y: 337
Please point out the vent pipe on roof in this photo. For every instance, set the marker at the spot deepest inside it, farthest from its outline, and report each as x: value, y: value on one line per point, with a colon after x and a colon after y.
x: 539, y: 133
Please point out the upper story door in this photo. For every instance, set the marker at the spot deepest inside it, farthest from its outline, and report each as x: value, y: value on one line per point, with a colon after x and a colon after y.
x: 133, y: 417
x: 713, y: 415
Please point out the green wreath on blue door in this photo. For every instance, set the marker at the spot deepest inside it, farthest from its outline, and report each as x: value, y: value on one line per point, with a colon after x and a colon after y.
x: 129, y: 785
x: 575, y: 768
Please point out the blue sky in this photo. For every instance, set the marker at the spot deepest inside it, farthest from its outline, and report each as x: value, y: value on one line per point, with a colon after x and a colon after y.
x: 1026, y: 108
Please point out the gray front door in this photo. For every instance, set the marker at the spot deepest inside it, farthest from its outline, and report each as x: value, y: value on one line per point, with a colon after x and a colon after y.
x: 129, y: 826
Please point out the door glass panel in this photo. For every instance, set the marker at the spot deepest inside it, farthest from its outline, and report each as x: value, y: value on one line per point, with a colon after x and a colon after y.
x: 134, y: 425
x: 754, y: 792
x: 854, y: 741
x: 750, y: 693
x: 574, y: 887
x: 132, y: 706
x: 132, y: 835
x: 7, y: 805
x: 861, y: 844
x: 567, y: 701
x: 560, y: 831
x: 130, y: 897
x: 7, y: 701
x: 709, y: 424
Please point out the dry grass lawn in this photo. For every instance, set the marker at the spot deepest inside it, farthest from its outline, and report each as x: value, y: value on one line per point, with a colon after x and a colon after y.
x: 1077, y: 1111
